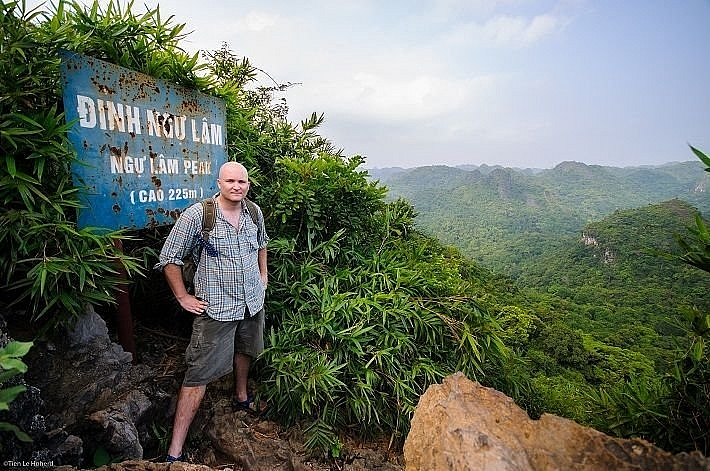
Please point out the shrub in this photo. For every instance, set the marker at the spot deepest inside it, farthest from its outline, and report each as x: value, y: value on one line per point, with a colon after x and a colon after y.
x: 364, y: 312
x: 11, y: 365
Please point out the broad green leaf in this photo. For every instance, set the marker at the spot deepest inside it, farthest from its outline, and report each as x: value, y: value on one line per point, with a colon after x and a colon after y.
x: 16, y: 349
x: 8, y: 427
x: 7, y: 395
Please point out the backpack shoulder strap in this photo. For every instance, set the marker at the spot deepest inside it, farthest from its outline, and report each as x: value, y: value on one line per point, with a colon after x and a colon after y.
x: 209, y: 216
x: 253, y: 213
x: 251, y: 209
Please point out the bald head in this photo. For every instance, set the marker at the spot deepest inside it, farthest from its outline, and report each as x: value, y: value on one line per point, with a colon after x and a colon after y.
x: 230, y: 167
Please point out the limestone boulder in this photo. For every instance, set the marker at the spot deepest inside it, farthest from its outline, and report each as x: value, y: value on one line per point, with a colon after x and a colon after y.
x: 461, y: 425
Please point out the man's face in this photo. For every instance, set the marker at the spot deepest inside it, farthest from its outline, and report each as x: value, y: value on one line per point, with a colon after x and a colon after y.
x: 233, y: 183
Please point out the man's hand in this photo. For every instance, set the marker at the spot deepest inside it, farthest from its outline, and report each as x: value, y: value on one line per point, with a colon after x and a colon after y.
x: 173, y: 275
x: 192, y: 304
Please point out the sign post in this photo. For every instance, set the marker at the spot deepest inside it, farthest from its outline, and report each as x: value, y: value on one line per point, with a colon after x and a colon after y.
x: 146, y: 148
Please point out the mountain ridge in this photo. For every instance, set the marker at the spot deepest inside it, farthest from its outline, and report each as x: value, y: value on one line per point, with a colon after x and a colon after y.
x: 501, y: 214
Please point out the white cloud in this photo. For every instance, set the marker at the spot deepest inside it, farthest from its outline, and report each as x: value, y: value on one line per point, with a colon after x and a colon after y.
x: 256, y: 21
x: 475, y: 79
x: 505, y: 30
x: 380, y: 98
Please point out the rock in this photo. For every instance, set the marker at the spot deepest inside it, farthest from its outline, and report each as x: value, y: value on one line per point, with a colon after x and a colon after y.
x: 461, y: 425
x: 92, y: 397
x: 118, y: 434
x: 116, y: 426
x: 244, y: 440
x: 87, y: 328
x: 69, y: 450
x: 148, y: 466
x: 364, y: 459
x: 90, y: 329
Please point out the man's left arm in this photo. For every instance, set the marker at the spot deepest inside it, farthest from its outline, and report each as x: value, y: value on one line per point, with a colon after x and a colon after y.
x: 263, y: 270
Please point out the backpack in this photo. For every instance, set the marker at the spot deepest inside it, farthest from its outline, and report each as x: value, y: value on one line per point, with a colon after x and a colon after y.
x: 209, y: 217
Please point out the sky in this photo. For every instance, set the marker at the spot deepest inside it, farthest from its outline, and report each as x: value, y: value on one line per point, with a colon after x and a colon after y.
x: 518, y: 83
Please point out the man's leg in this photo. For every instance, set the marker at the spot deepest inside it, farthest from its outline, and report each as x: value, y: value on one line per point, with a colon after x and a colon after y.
x: 188, y: 402
x: 241, y: 375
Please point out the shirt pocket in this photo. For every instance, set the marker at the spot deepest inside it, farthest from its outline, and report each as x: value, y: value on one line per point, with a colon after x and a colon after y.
x: 221, y: 241
x: 251, y: 232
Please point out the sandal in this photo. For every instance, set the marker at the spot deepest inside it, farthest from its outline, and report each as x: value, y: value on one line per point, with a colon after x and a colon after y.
x: 173, y: 459
x: 249, y: 405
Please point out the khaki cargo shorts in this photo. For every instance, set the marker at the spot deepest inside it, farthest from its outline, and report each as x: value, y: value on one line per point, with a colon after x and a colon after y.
x: 210, y: 354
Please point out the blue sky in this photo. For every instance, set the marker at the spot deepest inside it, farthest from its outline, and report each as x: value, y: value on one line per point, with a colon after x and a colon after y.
x: 519, y: 83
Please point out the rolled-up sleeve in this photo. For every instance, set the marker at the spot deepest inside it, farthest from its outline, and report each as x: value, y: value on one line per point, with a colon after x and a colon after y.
x: 262, y: 237
x: 181, y: 238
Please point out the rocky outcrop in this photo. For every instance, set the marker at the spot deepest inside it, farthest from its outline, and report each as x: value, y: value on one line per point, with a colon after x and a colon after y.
x: 250, y: 442
x: 92, y: 397
x: 140, y: 465
x: 461, y: 425
x: 254, y: 444
x: 85, y: 394
x: 51, y: 442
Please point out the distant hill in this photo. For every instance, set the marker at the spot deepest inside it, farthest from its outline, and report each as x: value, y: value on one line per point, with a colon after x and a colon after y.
x: 620, y: 251
x: 502, y: 216
x: 625, y: 293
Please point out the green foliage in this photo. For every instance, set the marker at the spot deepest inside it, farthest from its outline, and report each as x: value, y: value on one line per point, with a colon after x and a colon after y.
x: 50, y: 267
x: 687, y: 404
x: 102, y: 457
x: 604, y: 326
x: 563, y: 395
x: 364, y: 330
x: 11, y: 365
x: 564, y: 345
x: 696, y: 248
x: 703, y: 157
x: 610, y: 365
x: 317, y: 196
x: 519, y: 327
x: 161, y: 434
x: 675, y: 414
x: 517, y: 222
x: 365, y: 313
x: 612, y: 284
x: 629, y: 408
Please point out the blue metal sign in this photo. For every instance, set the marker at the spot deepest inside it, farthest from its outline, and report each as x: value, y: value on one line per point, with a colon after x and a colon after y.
x: 146, y: 148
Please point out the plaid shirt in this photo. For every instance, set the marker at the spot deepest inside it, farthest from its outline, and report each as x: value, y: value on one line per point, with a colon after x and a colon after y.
x: 229, y: 280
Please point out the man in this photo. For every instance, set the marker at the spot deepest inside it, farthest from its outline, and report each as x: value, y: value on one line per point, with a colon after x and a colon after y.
x: 230, y: 282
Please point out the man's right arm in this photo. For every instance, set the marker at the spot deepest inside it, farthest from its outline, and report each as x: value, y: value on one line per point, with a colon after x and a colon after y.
x: 176, y: 247
x: 173, y: 275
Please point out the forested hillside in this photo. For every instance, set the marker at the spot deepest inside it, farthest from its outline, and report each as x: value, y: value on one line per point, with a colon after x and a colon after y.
x: 563, y: 232
x: 365, y: 311
x: 502, y: 217
x: 624, y: 291
x: 597, y: 313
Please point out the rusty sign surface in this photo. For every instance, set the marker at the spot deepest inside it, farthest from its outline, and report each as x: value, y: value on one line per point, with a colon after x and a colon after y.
x: 146, y: 148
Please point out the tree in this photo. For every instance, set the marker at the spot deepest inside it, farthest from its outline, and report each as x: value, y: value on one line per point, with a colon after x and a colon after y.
x: 688, y: 403
x: 365, y: 313
x: 676, y: 414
